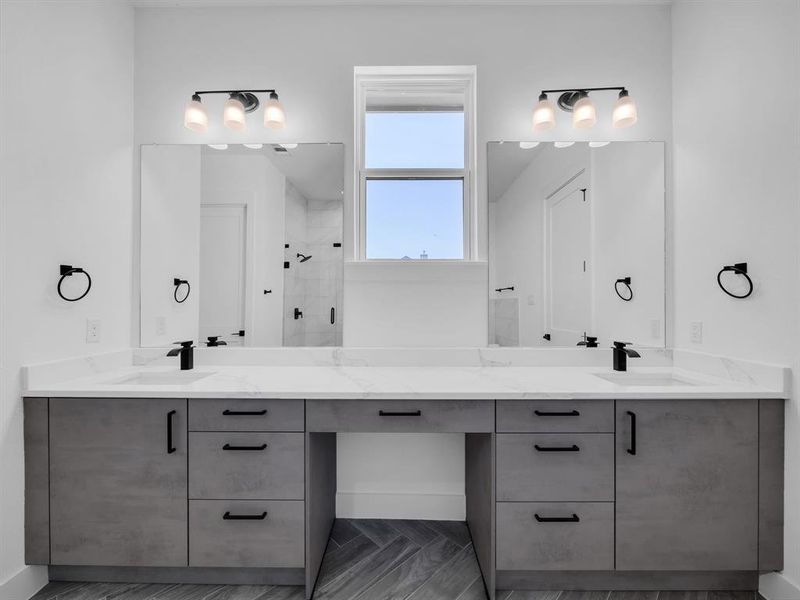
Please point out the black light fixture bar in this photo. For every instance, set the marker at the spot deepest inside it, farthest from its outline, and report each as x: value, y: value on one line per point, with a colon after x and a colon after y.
x: 234, y: 92
x: 586, y: 89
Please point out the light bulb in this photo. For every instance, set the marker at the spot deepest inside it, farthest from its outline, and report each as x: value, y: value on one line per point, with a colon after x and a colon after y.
x: 584, y: 115
x: 528, y: 145
x: 233, y: 113
x: 544, y: 114
x: 195, y: 116
x: 274, y: 117
x: 624, y: 114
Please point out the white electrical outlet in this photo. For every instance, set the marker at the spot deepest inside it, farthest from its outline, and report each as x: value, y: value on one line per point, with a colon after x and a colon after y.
x: 92, y: 331
x: 696, y: 332
x: 161, y: 326
x: 531, y: 300
x: 655, y: 329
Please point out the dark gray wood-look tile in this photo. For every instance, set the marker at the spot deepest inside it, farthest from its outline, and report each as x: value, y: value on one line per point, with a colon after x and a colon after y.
x: 338, y: 561
x: 476, y: 591
x: 93, y: 591
x: 532, y: 595
x: 284, y: 592
x: 379, y: 531
x: 503, y: 594
x: 141, y: 591
x: 343, y: 531
x: 452, y: 579
x: 239, y: 592
x: 633, y: 595
x: 411, y: 574
x: 456, y: 531
x: 187, y: 592
x: 417, y: 531
x: 734, y: 595
x: 350, y: 584
x: 581, y: 595
x: 52, y: 589
x: 685, y: 595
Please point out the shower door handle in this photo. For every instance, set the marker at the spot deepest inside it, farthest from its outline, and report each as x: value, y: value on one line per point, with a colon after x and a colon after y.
x: 333, y: 315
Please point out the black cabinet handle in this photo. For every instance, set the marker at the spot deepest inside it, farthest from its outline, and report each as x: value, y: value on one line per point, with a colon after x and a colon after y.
x: 244, y: 413
x: 544, y: 413
x: 573, y: 519
x: 170, y: 447
x: 572, y: 448
x: 400, y: 413
x: 245, y: 448
x: 229, y: 517
x: 632, y: 449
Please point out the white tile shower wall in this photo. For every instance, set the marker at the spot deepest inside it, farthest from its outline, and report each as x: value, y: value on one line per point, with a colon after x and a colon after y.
x: 294, y: 332
x: 513, y: 51
x: 67, y: 164
x: 506, y: 321
x: 736, y: 196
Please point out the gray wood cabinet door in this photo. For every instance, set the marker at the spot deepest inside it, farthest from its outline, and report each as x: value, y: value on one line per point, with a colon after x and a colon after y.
x: 687, y: 485
x: 118, y: 482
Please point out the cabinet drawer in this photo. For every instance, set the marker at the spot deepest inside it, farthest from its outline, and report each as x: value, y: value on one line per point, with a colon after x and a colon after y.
x: 400, y: 416
x: 251, y: 533
x: 245, y: 415
x: 555, y: 416
x: 581, y: 538
x: 246, y: 466
x: 551, y: 467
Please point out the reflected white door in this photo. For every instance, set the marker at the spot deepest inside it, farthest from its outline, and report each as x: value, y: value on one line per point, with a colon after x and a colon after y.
x: 223, y: 235
x: 568, y: 277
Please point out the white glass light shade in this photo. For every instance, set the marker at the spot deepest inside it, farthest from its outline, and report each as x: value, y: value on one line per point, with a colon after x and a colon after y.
x: 584, y: 114
x: 624, y: 114
x: 233, y: 114
x: 253, y: 146
x: 563, y: 144
x: 274, y: 117
x: 598, y: 144
x: 544, y: 115
x: 528, y: 145
x: 195, y: 116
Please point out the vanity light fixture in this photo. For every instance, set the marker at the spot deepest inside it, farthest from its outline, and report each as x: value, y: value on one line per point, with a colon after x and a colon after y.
x: 563, y: 144
x: 288, y: 146
x: 528, y: 145
x: 598, y: 144
x: 253, y: 146
x: 584, y: 113
x: 218, y: 146
x: 238, y: 104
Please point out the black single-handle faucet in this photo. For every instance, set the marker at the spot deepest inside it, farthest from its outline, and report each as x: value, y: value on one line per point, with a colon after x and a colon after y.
x: 186, y: 352
x: 621, y: 354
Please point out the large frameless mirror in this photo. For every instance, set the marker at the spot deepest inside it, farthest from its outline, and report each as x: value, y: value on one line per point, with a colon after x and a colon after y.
x: 576, y: 243
x: 241, y: 244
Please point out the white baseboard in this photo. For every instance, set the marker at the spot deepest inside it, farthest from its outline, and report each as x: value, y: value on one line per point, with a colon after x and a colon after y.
x: 774, y: 586
x: 24, y: 584
x: 440, y: 507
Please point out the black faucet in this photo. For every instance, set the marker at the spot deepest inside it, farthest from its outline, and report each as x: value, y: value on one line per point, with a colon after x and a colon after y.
x: 589, y: 341
x: 186, y: 352
x: 213, y: 340
x: 621, y: 354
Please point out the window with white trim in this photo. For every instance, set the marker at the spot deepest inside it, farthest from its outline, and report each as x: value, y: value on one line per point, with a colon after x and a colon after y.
x: 415, y: 153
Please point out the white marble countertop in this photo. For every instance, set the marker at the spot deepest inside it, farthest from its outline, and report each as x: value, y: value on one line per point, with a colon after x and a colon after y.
x: 401, y: 382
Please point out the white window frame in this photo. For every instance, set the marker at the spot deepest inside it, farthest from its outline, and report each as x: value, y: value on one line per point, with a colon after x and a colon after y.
x: 461, y: 79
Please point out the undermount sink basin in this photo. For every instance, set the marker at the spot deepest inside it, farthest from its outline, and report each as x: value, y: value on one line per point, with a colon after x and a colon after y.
x: 162, y: 378
x: 645, y: 379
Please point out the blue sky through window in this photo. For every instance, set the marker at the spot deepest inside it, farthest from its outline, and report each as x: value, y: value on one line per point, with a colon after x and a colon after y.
x: 419, y: 218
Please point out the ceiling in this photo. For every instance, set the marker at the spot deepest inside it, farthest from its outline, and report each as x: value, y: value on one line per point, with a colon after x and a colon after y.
x: 506, y: 161
x: 302, y: 3
x: 316, y: 170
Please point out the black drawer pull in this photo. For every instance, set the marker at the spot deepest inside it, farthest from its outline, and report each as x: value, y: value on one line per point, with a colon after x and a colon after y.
x: 400, y: 413
x: 256, y: 448
x: 546, y: 413
x: 632, y: 449
x: 229, y: 517
x: 573, y: 519
x: 170, y: 446
x: 244, y: 413
x: 572, y: 448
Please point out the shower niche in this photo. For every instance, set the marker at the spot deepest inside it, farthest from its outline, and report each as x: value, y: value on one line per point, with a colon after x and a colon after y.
x: 255, y: 230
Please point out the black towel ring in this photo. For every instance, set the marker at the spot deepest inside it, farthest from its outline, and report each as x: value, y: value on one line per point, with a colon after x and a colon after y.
x: 627, y: 282
x: 178, y: 283
x: 67, y: 271
x: 739, y: 269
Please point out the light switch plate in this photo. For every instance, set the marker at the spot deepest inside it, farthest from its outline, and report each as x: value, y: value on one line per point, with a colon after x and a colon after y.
x: 531, y: 300
x: 161, y: 326
x: 696, y: 332
x: 92, y: 331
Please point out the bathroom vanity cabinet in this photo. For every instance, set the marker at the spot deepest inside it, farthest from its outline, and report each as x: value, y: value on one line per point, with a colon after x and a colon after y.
x: 560, y: 494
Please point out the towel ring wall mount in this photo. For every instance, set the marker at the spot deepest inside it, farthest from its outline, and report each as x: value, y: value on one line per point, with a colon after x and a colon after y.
x: 178, y: 283
x: 738, y: 269
x: 69, y: 271
x: 626, y: 281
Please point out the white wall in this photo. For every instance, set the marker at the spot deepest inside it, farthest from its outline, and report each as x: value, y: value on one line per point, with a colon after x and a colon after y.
x: 170, y: 220
x: 308, y: 54
x: 67, y: 161
x: 736, y: 193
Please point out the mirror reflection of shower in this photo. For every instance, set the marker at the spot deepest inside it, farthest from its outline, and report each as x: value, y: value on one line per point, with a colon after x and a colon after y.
x: 303, y: 258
